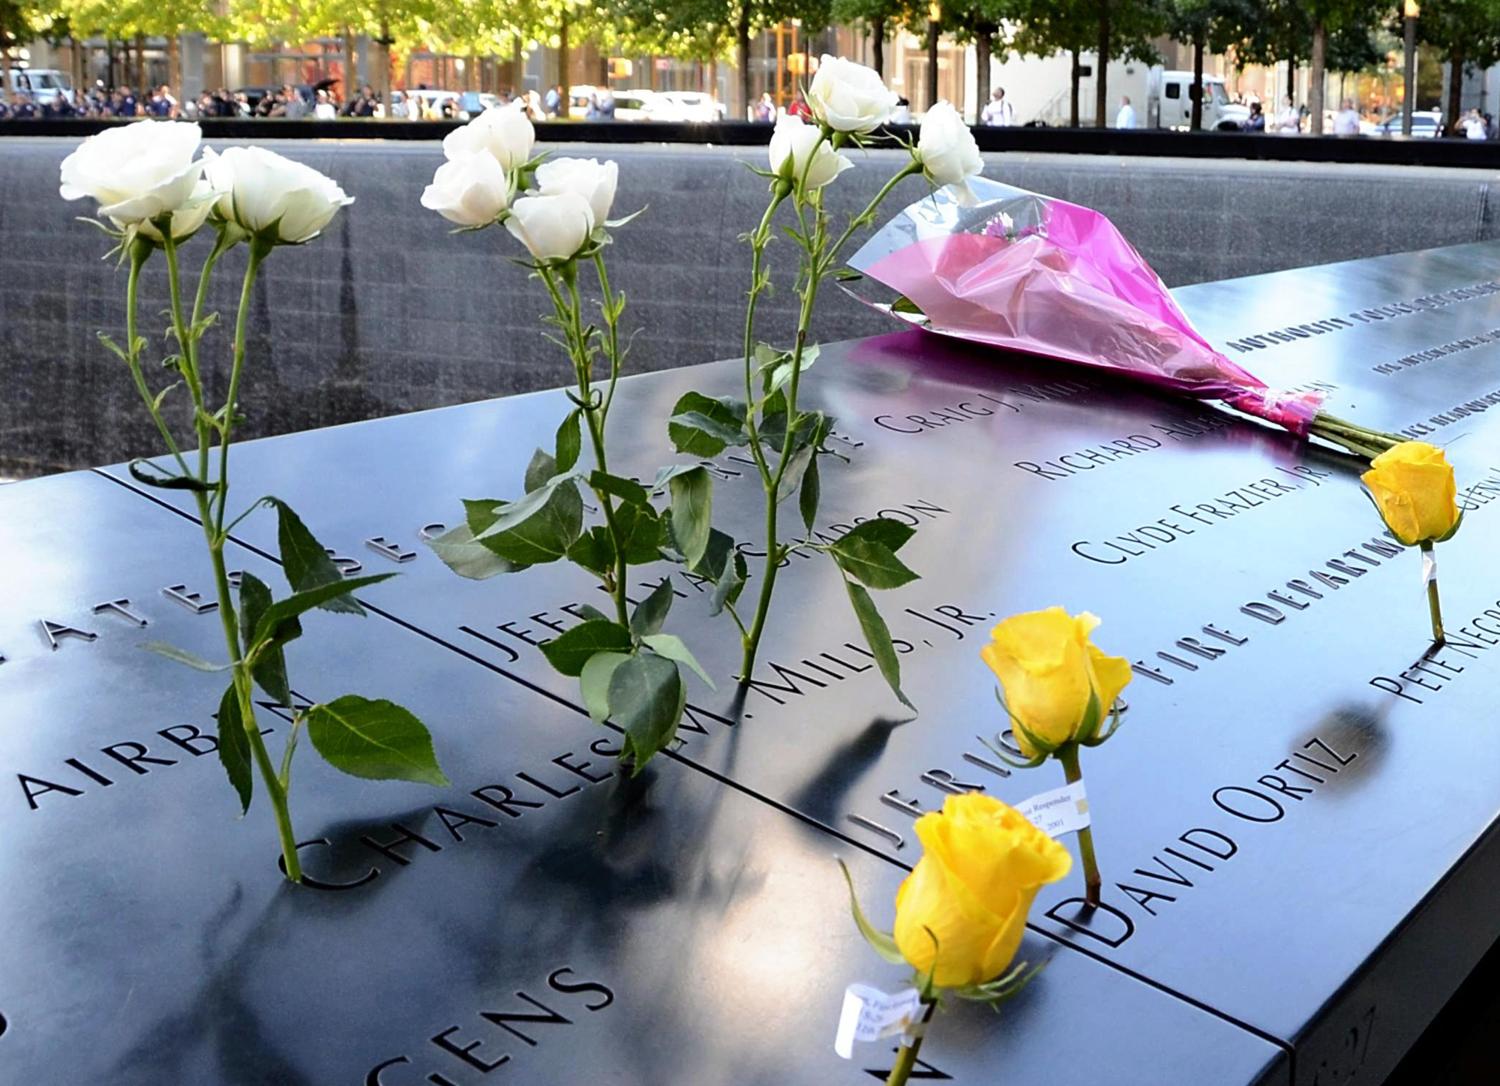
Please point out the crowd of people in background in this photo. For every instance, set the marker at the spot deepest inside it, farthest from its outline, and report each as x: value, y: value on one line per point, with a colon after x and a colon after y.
x: 323, y: 101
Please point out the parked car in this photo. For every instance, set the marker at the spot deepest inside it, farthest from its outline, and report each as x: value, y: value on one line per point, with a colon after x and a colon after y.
x: 473, y: 103
x: 43, y: 84
x: 693, y: 106
x: 1425, y: 124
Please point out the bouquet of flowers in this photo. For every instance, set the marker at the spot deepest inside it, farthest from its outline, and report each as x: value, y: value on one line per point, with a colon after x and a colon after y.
x: 1030, y: 273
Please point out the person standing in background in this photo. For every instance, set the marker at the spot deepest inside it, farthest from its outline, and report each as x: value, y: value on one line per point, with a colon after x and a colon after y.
x: 1256, y: 122
x: 1126, y: 117
x: 1289, y: 119
x: 997, y: 112
x: 1346, y: 121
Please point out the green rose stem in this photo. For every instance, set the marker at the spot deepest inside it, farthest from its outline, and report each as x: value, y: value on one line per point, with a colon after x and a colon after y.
x: 1433, y: 606
x: 818, y: 257
x: 569, y: 312
x: 1067, y: 754
x: 906, y: 1055
x: 212, y: 496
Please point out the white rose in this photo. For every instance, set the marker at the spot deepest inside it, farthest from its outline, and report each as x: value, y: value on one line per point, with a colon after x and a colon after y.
x: 136, y: 171
x: 503, y: 131
x: 594, y: 181
x: 849, y: 97
x: 266, y: 194
x: 470, y: 190
x: 947, y: 149
x: 791, y: 144
x: 552, y: 227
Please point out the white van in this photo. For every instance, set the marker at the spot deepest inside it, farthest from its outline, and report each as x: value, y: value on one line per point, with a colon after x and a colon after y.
x: 43, y: 84
x: 1169, y: 102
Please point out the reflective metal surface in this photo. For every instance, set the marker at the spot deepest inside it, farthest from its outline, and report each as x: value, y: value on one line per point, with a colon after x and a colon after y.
x: 542, y: 920
x: 1295, y: 782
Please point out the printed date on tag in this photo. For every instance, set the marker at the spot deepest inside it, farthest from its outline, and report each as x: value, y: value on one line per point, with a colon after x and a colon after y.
x: 1062, y: 810
x: 871, y: 1015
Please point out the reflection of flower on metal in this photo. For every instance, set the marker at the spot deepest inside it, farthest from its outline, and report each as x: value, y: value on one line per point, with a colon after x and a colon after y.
x: 1076, y: 291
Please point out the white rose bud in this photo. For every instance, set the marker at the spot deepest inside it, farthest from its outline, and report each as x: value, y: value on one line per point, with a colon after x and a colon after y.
x: 849, y: 97
x: 270, y: 196
x: 503, y: 131
x: 552, y: 228
x: 791, y: 144
x: 947, y: 149
x: 594, y: 181
x: 470, y: 190
x: 136, y: 171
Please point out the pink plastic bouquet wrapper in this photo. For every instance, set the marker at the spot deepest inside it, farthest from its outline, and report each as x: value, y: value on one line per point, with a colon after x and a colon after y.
x: 1029, y: 273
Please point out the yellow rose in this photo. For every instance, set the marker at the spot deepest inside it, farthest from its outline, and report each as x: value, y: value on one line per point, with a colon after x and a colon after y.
x: 981, y: 867
x: 1413, y: 487
x: 1048, y: 669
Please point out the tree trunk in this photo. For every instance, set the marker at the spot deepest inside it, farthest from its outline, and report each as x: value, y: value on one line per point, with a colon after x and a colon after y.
x: 742, y: 58
x: 933, y: 33
x: 1196, y: 124
x: 348, y: 84
x: 1291, y: 80
x: 1101, y: 67
x: 877, y: 43
x: 1076, y: 93
x: 982, y: 46
x: 140, y: 62
x: 1455, y: 90
x: 6, y: 83
x: 174, y: 64
x: 1315, y: 78
x: 565, y: 98
x: 383, y: 67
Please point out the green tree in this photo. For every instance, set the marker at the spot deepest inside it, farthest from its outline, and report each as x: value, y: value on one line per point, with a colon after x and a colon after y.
x: 1466, y: 33
x: 1208, y: 25
x: 1111, y: 28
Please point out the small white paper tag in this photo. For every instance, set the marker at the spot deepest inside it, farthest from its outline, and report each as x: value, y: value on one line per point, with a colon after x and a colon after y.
x: 1429, y: 568
x: 1062, y: 810
x: 870, y: 1015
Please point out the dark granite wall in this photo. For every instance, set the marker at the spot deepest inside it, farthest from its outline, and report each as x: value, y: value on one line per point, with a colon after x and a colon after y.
x: 391, y: 312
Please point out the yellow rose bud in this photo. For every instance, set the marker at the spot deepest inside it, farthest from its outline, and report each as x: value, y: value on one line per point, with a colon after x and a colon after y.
x: 980, y: 870
x: 1049, y: 670
x: 1413, y: 487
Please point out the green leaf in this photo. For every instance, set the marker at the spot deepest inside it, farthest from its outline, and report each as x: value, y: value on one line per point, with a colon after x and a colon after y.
x: 279, y: 624
x: 651, y: 613
x: 594, y: 683
x: 796, y: 466
x: 569, y: 442
x: 878, y: 637
x: 375, y: 739
x: 873, y: 563
x: 305, y: 561
x: 269, y: 671
x: 728, y: 587
x: 541, y: 469
x: 642, y: 532
x: 692, y: 509
x: 569, y: 651
x: 646, y: 698
x: 539, y: 528
x: 182, y: 656
x: 701, y: 426
x: 780, y: 370
x: 468, y: 557
x: 594, y: 550
x: 812, y: 490
x: 234, y: 747
x: 163, y: 480
x: 672, y: 647
x: 883, y: 530
x: 481, y: 513
x: 627, y: 490
x: 880, y: 942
